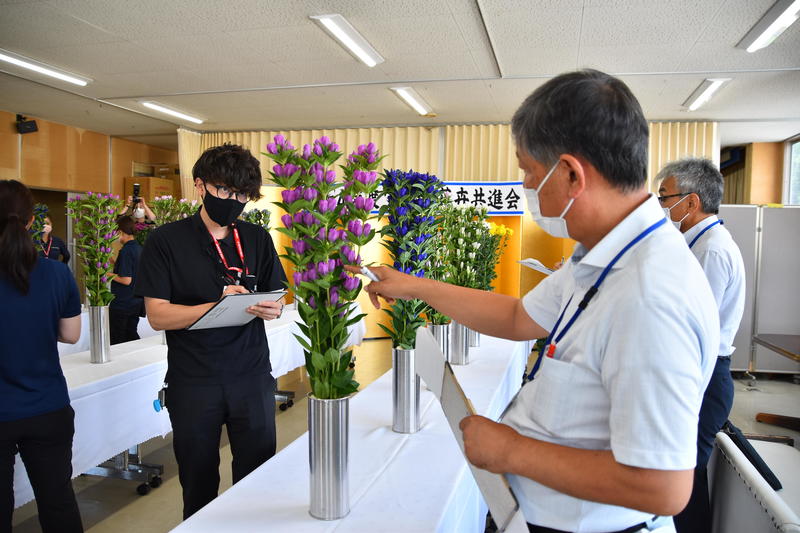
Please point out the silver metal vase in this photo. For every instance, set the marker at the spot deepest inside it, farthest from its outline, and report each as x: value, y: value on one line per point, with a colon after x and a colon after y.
x: 441, y: 332
x: 328, y: 432
x: 405, y: 392
x: 100, y: 340
x: 459, y: 344
x: 474, y: 338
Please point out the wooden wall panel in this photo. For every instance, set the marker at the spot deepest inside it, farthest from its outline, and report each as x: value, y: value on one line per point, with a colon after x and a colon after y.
x: 764, y: 173
x: 9, y: 146
x: 65, y: 158
x: 124, y: 153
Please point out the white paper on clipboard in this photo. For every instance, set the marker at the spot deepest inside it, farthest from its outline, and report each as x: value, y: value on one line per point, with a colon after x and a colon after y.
x: 438, y: 375
x: 536, y: 265
x: 231, y: 310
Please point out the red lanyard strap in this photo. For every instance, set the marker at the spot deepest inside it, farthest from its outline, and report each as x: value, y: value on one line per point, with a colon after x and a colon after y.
x: 49, y: 245
x: 239, y: 251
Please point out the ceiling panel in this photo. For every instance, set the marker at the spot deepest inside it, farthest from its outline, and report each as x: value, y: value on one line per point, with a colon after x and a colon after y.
x: 215, y: 59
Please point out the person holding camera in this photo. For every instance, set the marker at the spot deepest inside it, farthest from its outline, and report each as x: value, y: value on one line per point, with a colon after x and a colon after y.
x: 136, y: 207
x: 41, y: 306
x: 215, y: 376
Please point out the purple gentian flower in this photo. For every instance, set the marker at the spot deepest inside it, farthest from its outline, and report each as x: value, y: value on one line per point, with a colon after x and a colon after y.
x: 287, y: 220
x: 310, y: 194
x: 298, y: 278
x: 272, y: 148
x: 350, y: 283
x: 333, y: 298
x: 300, y: 247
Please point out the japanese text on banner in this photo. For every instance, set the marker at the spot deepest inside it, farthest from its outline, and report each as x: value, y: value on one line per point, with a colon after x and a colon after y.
x: 499, y: 197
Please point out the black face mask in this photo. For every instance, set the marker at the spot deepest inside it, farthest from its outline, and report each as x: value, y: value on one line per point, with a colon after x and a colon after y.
x: 223, y: 212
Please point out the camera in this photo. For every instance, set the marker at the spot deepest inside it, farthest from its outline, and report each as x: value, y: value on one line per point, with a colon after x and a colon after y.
x: 136, y: 192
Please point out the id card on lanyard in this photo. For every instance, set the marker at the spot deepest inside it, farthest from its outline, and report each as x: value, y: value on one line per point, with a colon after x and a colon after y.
x: 551, y: 344
x: 232, y: 273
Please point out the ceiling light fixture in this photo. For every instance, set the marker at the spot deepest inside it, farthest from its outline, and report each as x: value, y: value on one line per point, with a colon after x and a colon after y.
x: 161, y: 109
x: 780, y: 16
x: 704, y: 92
x: 414, y: 100
x: 43, y: 68
x: 344, y: 32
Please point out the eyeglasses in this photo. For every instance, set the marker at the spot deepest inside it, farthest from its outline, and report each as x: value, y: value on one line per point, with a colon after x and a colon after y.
x: 224, y: 193
x: 662, y: 198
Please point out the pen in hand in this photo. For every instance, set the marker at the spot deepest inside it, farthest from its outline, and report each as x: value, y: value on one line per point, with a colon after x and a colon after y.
x: 369, y: 273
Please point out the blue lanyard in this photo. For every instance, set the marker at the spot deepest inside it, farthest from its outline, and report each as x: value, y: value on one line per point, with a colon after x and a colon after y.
x: 705, y: 230
x: 549, y: 346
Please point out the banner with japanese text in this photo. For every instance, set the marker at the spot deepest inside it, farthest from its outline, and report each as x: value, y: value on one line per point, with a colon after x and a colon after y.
x: 499, y: 197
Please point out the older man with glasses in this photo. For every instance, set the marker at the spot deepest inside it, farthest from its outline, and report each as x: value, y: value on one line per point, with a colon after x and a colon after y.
x: 690, y: 192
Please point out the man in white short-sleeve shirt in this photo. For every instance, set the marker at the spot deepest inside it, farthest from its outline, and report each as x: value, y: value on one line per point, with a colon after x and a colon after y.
x: 604, y: 436
x: 691, y: 190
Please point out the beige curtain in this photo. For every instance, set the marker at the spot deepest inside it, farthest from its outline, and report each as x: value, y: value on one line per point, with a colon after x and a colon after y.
x: 674, y: 140
x: 483, y: 152
x: 189, y: 149
x: 406, y: 148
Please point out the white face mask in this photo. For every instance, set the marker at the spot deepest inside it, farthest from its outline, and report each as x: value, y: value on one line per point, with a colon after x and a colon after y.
x: 138, y: 212
x: 676, y: 223
x: 555, y: 226
x: 47, y: 228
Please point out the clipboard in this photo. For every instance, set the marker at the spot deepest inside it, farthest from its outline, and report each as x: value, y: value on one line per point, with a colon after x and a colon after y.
x: 441, y: 380
x: 231, y: 310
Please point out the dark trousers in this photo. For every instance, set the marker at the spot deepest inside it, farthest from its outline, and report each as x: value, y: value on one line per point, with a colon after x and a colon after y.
x: 45, y: 444
x: 714, y: 411
x: 246, y: 406
x: 123, y: 326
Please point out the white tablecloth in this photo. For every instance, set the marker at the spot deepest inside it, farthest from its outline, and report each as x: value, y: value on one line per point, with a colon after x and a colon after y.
x: 417, y: 482
x: 113, y: 402
x: 144, y: 329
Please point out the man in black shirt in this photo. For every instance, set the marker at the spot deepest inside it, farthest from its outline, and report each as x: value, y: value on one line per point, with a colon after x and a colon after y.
x: 221, y: 375
x: 126, y: 308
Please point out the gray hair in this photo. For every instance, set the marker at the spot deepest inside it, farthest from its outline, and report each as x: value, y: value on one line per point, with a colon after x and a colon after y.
x: 591, y: 114
x: 699, y: 176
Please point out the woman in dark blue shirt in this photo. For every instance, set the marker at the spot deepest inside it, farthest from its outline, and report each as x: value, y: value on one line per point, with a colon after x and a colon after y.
x: 51, y: 246
x: 126, y: 308
x: 40, y: 306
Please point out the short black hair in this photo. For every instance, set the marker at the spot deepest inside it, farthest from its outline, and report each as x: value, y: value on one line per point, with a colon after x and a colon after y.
x: 126, y: 225
x: 697, y: 175
x: 230, y: 165
x: 591, y: 114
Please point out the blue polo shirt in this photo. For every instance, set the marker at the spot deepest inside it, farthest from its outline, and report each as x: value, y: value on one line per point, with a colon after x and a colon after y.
x: 126, y: 266
x: 31, y: 380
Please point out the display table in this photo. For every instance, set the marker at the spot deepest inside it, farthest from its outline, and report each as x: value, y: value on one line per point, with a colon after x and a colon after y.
x: 113, y: 402
x: 144, y: 329
x: 417, y: 482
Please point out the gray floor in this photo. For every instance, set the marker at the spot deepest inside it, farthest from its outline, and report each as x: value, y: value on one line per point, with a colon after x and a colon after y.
x: 112, y: 506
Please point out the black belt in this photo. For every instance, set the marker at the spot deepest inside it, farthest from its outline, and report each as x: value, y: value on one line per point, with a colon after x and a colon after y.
x: 541, y: 529
x: 724, y: 357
